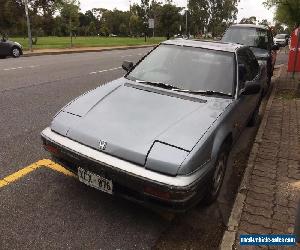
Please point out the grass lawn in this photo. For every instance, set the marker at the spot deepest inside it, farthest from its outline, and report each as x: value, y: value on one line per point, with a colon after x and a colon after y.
x: 64, y: 42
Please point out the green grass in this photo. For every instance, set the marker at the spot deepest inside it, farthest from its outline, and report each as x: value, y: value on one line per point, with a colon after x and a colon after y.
x: 64, y: 42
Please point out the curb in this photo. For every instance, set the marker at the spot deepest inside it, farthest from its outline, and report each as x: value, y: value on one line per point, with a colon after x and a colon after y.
x: 229, y: 236
x: 58, y: 52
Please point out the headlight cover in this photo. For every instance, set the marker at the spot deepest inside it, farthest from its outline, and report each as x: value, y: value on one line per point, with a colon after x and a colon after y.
x: 165, y: 159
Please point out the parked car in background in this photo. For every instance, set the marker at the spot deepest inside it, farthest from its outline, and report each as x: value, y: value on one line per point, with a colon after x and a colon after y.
x: 259, y: 38
x: 161, y: 135
x: 10, y: 48
x: 281, y: 39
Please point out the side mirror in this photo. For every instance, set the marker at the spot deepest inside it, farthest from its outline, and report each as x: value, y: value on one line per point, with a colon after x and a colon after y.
x: 251, y: 88
x: 275, y: 47
x: 127, y: 65
x: 242, y: 73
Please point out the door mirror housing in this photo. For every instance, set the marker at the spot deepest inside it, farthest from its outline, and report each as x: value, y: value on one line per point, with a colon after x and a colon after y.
x: 127, y: 65
x: 275, y: 47
x: 251, y: 88
x: 242, y: 73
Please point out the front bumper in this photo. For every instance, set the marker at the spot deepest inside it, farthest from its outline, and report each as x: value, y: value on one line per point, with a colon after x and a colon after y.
x: 130, y: 180
x: 280, y: 42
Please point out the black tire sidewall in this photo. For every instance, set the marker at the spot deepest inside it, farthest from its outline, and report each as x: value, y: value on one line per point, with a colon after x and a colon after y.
x: 210, y: 196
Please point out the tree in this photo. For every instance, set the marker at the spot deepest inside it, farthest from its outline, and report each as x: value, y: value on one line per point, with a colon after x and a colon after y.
x: 287, y: 11
x: 169, y: 19
x: 264, y: 22
x: 249, y: 20
x: 136, y: 25
x: 44, y: 11
x: 199, y: 12
x: 70, y: 14
x: 222, y: 13
x: 212, y: 15
x: 12, y: 17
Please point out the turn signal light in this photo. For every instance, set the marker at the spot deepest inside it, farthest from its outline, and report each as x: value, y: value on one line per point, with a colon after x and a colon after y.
x: 51, y: 149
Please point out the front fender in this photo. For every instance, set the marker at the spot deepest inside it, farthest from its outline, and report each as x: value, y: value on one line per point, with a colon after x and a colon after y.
x: 208, y: 148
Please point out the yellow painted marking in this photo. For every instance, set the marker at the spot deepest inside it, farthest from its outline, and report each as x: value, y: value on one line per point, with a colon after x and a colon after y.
x: 60, y: 169
x: 39, y: 164
x: 3, y: 183
x: 19, y: 174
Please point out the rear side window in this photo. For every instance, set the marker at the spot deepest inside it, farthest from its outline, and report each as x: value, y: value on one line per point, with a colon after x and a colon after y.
x: 250, y: 36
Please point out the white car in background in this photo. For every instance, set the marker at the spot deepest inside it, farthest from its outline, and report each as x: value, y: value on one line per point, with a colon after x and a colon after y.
x: 281, y: 39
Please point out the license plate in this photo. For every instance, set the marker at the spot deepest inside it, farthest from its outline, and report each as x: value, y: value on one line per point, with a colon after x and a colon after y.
x: 95, y: 181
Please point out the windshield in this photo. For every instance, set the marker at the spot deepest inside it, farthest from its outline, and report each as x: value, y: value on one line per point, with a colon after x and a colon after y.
x: 188, y: 68
x: 280, y: 36
x: 253, y: 37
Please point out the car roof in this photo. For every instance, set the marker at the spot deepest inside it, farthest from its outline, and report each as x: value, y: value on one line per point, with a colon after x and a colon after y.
x: 213, y: 45
x: 245, y: 25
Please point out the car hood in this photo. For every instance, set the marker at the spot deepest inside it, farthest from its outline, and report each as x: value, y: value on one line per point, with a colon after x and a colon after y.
x: 260, y: 54
x: 130, y: 118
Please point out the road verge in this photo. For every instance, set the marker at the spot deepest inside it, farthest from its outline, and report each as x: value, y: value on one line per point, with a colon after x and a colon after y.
x: 41, y: 52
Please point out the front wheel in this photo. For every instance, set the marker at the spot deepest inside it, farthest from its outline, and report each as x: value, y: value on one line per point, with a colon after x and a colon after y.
x: 15, y: 52
x: 254, y: 117
x: 216, y: 180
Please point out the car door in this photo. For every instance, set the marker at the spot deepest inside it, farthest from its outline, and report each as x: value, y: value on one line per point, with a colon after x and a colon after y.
x: 2, y: 48
x: 247, y: 103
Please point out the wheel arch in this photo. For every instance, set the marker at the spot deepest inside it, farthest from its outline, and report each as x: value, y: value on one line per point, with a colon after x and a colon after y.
x: 221, y: 139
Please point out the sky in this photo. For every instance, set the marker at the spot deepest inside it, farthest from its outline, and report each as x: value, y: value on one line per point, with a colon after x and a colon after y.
x: 246, y: 8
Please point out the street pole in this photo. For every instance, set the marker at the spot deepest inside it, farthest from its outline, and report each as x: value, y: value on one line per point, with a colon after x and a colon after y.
x: 186, y: 23
x: 28, y: 25
x: 70, y: 27
x: 186, y: 18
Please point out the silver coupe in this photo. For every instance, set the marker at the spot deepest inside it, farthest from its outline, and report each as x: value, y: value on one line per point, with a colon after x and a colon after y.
x: 161, y: 134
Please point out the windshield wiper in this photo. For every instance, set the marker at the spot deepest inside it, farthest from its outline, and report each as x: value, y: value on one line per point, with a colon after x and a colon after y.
x: 201, y: 92
x: 159, y: 84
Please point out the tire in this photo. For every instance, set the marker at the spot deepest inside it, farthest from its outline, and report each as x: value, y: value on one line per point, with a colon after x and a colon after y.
x: 2, y: 57
x: 254, y: 117
x: 15, y: 52
x: 216, y: 181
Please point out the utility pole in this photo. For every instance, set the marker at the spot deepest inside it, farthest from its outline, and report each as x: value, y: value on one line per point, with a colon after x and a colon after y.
x: 70, y: 28
x: 28, y: 25
x: 186, y: 22
x: 186, y: 18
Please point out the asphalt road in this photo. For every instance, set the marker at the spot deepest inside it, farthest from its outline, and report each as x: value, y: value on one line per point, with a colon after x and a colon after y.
x: 49, y: 210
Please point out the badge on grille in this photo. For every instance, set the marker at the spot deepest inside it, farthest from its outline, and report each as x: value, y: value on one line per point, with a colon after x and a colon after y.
x: 102, y: 145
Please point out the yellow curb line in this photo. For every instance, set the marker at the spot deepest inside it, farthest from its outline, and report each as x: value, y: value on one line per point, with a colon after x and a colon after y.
x: 39, y: 164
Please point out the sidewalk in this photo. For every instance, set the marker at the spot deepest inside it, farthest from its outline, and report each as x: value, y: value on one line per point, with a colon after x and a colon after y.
x: 38, y: 52
x: 267, y: 199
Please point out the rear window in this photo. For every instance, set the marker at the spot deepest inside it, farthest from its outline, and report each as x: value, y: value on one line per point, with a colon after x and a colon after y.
x: 253, y: 37
x: 281, y: 36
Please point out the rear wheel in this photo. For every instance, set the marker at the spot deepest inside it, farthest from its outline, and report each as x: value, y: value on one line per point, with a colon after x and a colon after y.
x: 15, y: 52
x: 217, y: 178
